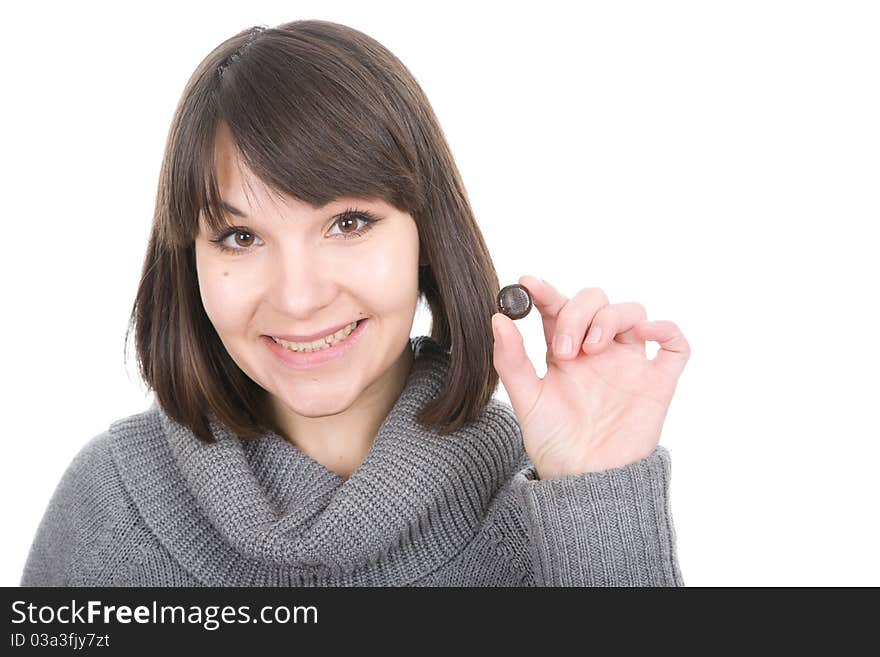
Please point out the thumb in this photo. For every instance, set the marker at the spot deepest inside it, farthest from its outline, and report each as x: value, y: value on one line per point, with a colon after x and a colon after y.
x: 513, y: 366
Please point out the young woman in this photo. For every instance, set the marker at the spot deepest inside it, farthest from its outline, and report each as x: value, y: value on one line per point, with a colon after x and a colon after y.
x: 299, y: 436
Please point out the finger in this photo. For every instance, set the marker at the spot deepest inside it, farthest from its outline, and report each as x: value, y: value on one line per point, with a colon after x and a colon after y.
x: 615, y: 322
x: 549, y: 301
x: 513, y: 366
x: 574, y: 319
x: 674, y: 348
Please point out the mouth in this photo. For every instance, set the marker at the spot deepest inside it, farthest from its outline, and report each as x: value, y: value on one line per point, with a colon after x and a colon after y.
x: 321, y: 344
x: 294, y: 357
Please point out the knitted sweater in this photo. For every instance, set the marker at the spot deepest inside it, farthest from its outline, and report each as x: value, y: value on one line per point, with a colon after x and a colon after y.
x: 147, y: 504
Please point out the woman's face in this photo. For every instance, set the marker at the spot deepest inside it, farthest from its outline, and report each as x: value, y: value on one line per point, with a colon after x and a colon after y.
x: 295, y: 270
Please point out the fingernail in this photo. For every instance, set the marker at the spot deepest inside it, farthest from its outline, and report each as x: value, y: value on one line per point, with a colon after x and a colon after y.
x: 562, y: 344
x: 594, y: 335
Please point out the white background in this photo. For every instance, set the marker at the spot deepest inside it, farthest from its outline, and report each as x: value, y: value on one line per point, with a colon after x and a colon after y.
x: 717, y: 162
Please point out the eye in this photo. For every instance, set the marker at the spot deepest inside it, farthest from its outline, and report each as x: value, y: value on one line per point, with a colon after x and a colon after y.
x: 348, y: 222
x: 243, y: 238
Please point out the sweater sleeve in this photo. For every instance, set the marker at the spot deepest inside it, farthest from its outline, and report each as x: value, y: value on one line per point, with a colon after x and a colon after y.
x: 72, y: 518
x: 608, y: 528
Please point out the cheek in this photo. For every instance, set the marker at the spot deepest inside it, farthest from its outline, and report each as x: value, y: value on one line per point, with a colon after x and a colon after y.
x: 396, y: 264
x: 389, y: 279
x: 224, y: 304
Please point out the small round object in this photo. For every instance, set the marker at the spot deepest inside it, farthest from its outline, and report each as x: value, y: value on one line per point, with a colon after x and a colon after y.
x: 514, y: 301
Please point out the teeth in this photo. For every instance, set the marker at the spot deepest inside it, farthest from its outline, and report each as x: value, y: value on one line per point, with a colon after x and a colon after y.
x: 324, y: 343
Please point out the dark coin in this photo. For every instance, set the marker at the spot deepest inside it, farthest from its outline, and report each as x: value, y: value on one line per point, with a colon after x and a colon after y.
x: 514, y: 301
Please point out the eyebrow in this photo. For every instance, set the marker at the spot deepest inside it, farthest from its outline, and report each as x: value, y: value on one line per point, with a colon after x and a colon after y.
x: 231, y: 209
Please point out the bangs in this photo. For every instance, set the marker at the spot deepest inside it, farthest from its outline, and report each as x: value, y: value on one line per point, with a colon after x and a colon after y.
x: 307, y: 125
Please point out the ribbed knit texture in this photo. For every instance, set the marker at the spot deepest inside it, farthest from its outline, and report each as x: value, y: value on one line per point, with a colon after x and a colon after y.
x: 148, y: 504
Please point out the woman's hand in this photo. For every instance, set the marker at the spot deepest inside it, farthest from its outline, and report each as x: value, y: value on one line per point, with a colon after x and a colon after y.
x: 601, y: 405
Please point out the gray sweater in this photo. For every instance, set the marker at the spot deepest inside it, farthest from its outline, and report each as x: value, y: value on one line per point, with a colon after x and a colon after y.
x: 147, y: 504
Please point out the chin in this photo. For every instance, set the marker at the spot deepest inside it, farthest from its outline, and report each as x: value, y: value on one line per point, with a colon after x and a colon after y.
x: 327, y: 405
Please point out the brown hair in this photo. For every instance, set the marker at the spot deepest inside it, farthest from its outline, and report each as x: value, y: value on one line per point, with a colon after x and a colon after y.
x: 317, y: 110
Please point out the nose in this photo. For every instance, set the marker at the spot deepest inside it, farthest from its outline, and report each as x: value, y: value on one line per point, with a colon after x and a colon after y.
x: 299, y: 284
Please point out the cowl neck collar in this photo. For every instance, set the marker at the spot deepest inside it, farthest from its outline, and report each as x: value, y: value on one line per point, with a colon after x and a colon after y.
x: 260, y: 512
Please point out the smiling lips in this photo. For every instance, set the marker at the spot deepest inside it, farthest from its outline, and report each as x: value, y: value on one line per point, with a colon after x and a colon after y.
x: 307, y: 356
x: 313, y: 337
